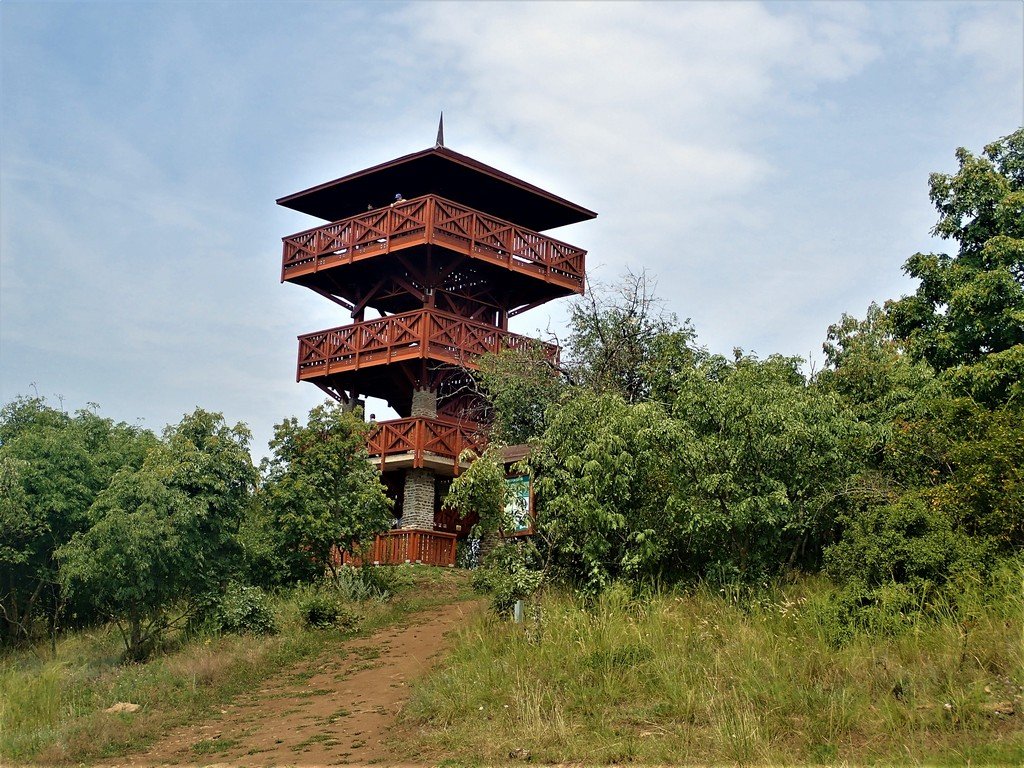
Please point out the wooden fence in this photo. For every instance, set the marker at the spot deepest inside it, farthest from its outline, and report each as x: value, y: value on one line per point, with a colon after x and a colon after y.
x: 409, y: 545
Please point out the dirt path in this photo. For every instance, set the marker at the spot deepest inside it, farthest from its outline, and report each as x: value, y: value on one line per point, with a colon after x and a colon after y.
x: 333, y: 710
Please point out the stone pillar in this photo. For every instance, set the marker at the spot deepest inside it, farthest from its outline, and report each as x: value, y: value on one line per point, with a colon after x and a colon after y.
x: 418, y: 500
x: 424, y: 403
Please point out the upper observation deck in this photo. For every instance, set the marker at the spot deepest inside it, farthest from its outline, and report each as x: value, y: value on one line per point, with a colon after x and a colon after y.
x: 379, y: 258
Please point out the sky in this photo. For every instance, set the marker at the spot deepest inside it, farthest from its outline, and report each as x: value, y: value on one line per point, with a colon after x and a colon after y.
x: 766, y: 164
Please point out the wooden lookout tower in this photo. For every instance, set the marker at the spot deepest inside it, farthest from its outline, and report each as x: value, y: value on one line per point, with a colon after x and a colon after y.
x: 442, y: 250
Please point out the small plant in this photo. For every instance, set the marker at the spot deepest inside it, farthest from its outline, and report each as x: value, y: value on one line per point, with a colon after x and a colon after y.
x: 244, y: 609
x: 508, y: 575
x: 366, y: 583
x: 323, y: 609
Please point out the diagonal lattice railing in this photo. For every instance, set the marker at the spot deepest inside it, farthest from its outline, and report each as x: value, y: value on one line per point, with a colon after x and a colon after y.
x: 433, y: 219
x: 424, y: 437
x: 424, y: 333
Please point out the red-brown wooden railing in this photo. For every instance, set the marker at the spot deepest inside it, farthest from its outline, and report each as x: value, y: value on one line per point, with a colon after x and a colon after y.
x: 423, y: 437
x: 408, y: 545
x: 423, y: 333
x: 433, y: 219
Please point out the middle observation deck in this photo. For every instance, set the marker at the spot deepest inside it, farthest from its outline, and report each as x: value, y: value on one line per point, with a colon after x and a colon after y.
x: 430, y: 249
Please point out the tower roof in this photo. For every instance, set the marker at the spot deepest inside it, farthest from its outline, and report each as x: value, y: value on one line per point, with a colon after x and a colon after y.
x: 444, y: 172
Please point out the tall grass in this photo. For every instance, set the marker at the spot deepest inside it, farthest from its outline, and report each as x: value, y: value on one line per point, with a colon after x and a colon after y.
x: 52, y: 708
x: 706, y: 677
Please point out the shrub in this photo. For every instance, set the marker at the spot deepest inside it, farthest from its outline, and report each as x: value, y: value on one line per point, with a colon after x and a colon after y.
x: 467, y: 556
x: 908, y: 542
x: 244, y: 609
x: 509, y: 574
x: 366, y: 583
x: 322, y: 609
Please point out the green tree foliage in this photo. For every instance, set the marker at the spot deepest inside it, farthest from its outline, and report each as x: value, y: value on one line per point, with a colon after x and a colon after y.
x: 866, y: 367
x: 741, y: 476
x: 936, y: 377
x: 482, y: 489
x: 52, y: 465
x: 604, y: 476
x: 767, y: 459
x: 520, y: 385
x: 660, y: 461
x: 621, y: 340
x: 322, y: 493
x: 162, y: 538
x: 212, y: 466
x: 511, y: 568
x: 134, y: 562
x: 880, y: 385
x: 967, y: 461
x: 967, y: 315
x: 265, y: 559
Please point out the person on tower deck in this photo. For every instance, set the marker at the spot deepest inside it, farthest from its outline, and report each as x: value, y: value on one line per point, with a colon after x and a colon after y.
x: 398, y: 199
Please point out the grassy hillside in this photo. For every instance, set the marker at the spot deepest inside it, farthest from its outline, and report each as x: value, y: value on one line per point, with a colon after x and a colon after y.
x: 52, y: 708
x: 707, y: 677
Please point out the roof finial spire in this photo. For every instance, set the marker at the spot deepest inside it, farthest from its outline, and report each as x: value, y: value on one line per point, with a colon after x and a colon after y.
x: 440, y: 132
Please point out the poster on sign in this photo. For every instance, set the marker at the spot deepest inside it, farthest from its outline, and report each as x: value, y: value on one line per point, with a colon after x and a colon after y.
x: 519, y: 505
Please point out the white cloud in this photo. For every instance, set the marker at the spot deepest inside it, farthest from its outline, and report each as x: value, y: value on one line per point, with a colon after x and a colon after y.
x: 766, y: 162
x: 660, y: 92
x: 657, y: 112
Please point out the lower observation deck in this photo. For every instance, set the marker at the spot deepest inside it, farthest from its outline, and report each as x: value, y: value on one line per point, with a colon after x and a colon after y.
x: 407, y: 545
x: 420, y: 442
x: 386, y: 357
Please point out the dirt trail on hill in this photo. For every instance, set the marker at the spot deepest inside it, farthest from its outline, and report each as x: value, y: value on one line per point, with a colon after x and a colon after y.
x: 336, y: 709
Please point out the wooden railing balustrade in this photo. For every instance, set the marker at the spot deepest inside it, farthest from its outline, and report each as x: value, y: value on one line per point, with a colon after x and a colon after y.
x: 423, y: 333
x: 436, y: 220
x: 422, y: 437
x: 408, y: 545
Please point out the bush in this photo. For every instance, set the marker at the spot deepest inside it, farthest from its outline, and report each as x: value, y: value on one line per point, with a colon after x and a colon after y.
x: 908, y: 542
x: 244, y: 609
x: 467, y: 555
x: 509, y: 574
x: 896, y: 562
x: 366, y: 583
x: 323, y: 609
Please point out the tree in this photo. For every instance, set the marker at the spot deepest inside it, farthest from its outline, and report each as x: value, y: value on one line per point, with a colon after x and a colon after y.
x: 20, y: 530
x: 162, y: 538
x: 139, y: 563
x: 212, y: 466
x: 604, y: 473
x: 763, y: 461
x: 54, y: 465
x: 867, y: 369
x: 619, y: 338
x: 740, y: 476
x: 520, y: 385
x: 482, y: 489
x: 937, y: 377
x: 322, y: 491
x: 967, y: 316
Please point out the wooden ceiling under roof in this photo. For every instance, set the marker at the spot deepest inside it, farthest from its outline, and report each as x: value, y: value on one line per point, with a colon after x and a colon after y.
x: 439, y: 171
